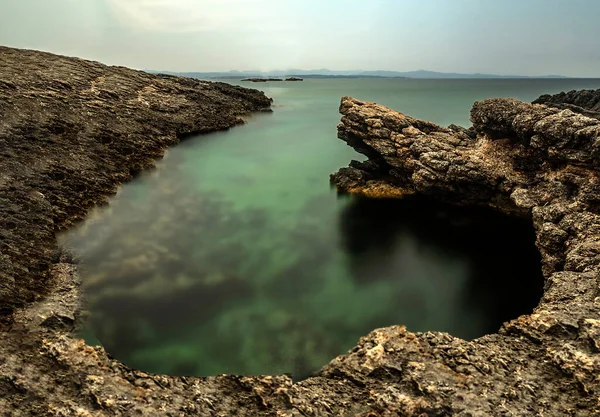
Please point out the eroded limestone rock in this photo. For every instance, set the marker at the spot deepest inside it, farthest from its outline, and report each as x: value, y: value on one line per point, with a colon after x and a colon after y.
x: 525, y: 159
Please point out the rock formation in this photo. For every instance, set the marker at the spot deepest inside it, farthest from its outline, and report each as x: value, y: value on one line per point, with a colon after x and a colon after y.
x: 72, y: 130
x: 524, y: 159
x: 262, y: 80
x: 586, y: 102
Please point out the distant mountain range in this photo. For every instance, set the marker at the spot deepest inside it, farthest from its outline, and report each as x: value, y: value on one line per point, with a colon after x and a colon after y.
x: 325, y: 73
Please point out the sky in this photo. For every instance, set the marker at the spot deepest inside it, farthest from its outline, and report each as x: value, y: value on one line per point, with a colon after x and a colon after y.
x: 509, y: 37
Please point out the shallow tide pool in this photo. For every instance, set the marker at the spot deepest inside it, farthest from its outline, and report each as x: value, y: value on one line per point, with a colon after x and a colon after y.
x: 236, y: 256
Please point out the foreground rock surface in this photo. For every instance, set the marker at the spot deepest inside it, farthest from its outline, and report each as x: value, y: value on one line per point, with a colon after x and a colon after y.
x: 525, y: 159
x: 71, y: 130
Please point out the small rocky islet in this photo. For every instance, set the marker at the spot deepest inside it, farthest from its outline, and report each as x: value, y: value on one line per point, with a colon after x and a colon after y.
x: 72, y: 130
x: 264, y: 80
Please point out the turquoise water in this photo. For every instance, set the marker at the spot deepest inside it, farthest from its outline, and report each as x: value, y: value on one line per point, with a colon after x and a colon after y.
x: 236, y: 256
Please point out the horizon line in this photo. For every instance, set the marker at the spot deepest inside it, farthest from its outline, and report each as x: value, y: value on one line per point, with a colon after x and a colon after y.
x: 310, y: 72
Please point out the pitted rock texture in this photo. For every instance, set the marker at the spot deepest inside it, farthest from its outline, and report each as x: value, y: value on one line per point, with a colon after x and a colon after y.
x: 586, y: 102
x: 524, y: 159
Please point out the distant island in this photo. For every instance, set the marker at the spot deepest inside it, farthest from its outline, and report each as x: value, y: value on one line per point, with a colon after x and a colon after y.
x: 264, y: 80
x: 279, y: 75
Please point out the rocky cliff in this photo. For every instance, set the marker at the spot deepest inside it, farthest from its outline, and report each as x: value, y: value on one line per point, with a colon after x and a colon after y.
x: 524, y: 159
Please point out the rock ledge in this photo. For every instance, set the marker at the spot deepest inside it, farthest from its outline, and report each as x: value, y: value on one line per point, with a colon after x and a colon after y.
x: 523, y: 159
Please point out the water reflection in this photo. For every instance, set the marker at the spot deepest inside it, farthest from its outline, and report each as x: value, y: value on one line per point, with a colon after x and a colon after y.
x: 237, y: 258
x: 191, y: 285
x: 503, y: 278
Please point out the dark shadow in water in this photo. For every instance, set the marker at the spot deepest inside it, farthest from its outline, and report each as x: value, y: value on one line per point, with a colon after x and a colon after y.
x: 292, y: 305
x: 505, y: 279
x: 167, y: 314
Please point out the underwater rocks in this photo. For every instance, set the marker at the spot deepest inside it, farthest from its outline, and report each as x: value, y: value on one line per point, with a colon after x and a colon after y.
x: 526, y: 159
x: 70, y: 132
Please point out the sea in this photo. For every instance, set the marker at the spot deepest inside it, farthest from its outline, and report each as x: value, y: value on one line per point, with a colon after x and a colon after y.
x: 236, y: 256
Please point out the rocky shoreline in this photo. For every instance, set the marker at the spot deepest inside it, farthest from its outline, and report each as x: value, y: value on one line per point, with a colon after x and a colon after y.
x: 523, y: 159
x: 586, y: 102
x: 72, y: 130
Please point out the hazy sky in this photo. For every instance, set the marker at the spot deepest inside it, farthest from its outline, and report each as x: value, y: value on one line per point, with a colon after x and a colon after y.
x: 526, y: 37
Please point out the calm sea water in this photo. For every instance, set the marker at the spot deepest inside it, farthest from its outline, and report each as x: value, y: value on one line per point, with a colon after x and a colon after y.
x: 236, y: 256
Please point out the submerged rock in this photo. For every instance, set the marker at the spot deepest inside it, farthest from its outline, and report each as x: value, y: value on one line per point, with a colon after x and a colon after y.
x: 70, y: 132
x: 524, y: 159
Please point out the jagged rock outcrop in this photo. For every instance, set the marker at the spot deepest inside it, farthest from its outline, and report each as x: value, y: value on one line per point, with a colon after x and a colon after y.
x: 525, y: 159
x: 586, y: 102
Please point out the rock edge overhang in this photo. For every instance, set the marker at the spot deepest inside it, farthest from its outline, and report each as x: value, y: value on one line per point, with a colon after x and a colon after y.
x: 522, y: 159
